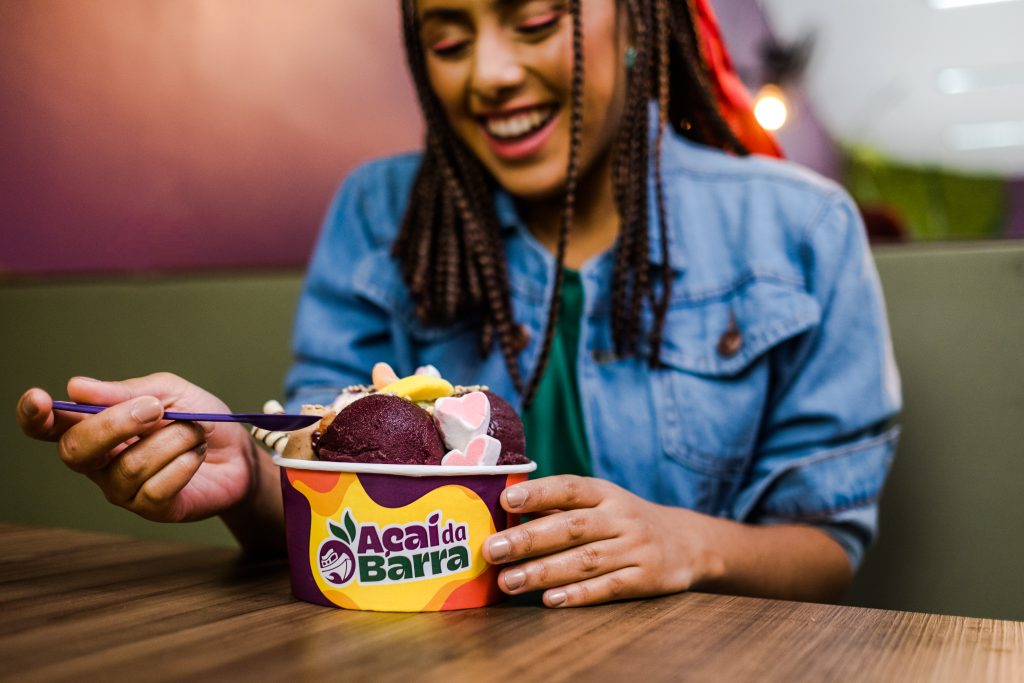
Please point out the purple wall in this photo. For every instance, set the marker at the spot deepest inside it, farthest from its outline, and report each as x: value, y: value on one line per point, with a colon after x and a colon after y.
x: 803, y: 139
x: 140, y: 135
x: 1015, y: 212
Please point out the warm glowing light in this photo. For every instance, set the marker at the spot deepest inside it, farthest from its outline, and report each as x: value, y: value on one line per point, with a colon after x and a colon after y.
x: 770, y: 108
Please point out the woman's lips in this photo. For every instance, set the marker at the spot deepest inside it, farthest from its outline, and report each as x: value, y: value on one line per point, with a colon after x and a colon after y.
x: 522, y: 146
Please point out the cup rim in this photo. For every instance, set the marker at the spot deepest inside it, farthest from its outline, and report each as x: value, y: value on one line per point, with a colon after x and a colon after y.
x: 402, y: 470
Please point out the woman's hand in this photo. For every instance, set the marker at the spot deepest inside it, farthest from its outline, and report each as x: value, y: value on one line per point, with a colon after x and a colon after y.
x: 163, y: 471
x: 594, y: 541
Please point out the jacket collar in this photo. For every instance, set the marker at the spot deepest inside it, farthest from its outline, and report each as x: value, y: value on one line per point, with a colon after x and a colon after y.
x: 672, y: 147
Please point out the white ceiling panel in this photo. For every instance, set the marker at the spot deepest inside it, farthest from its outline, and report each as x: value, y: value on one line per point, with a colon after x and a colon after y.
x: 921, y: 84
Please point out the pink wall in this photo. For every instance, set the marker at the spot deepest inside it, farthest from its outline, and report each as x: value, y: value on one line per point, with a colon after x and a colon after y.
x: 145, y: 135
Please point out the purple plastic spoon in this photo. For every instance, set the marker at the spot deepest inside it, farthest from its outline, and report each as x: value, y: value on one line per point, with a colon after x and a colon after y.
x: 273, y: 422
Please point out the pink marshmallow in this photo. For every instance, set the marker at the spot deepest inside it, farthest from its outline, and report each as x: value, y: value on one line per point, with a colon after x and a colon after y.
x: 462, y: 419
x: 483, y: 450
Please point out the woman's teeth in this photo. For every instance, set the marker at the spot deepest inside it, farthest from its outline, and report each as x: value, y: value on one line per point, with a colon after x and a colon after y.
x: 517, y: 125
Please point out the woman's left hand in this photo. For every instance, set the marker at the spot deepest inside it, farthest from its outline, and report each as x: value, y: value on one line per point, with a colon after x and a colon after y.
x: 592, y: 541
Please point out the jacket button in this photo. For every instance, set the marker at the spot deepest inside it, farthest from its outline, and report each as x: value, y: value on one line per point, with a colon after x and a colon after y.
x: 731, y: 341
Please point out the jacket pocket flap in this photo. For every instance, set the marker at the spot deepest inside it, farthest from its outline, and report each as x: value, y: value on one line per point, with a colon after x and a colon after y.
x: 719, y: 333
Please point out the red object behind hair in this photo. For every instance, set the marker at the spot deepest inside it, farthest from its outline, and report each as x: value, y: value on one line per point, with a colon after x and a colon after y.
x: 733, y: 98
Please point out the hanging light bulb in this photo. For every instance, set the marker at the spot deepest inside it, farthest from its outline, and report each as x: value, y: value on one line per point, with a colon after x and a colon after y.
x: 771, y: 108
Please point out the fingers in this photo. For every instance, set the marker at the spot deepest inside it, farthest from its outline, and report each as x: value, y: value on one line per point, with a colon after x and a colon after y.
x: 564, y: 492
x: 90, y: 444
x: 164, y: 385
x: 622, y: 584
x: 575, y: 564
x: 143, y: 466
x: 585, y: 575
x: 546, y: 535
x: 37, y: 418
x: 157, y: 499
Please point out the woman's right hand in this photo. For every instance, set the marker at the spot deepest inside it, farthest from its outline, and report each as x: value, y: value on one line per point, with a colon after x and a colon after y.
x: 163, y: 471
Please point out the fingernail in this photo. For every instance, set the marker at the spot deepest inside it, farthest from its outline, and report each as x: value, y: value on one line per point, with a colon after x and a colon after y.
x: 516, y: 496
x: 146, y: 409
x: 201, y: 450
x: 499, y: 548
x: 514, y: 579
x: 557, y: 598
x: 29, y: 408
x: 86, y: 379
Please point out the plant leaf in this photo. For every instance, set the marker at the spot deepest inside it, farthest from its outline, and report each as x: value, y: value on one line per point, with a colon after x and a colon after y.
x: 350, y: 524
x: 339, y: 532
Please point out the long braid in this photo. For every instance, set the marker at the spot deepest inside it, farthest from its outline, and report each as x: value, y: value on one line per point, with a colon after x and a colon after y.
x: 572, y: 180
x: 661, y: 305
x: 499, y: 305
x: 685, y: 33
x: 450, y: 250
x: 638, y: 187
x: 633, y: 265
x: 471, y: 225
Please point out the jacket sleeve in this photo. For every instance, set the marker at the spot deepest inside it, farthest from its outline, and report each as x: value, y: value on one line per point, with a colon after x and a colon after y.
x: 826, y: 441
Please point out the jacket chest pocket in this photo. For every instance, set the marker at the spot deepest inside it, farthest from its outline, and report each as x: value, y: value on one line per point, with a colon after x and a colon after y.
x: 711, y: 393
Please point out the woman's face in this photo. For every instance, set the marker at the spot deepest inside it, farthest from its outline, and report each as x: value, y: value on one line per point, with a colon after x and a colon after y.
x: 502, y: 71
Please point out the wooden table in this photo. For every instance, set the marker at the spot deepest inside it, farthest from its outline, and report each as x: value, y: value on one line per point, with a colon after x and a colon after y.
x: 88, y: 606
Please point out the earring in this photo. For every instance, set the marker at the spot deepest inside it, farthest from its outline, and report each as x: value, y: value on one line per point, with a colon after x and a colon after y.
x: 630, y: 57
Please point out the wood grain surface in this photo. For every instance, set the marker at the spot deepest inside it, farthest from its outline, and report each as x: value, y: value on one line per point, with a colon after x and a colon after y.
x: 87, y: 606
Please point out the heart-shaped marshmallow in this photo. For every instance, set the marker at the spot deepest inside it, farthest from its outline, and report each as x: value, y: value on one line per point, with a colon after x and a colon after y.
x: 482, y: 450
x: 462, y: 419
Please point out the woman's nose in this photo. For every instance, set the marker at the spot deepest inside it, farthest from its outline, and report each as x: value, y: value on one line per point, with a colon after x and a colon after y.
x: 497, y: 68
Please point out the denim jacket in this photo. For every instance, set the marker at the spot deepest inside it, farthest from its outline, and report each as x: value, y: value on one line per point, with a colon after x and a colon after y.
x: 786, y: 422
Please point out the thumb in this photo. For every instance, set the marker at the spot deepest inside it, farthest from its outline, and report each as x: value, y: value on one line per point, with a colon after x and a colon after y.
x: 166, y: 387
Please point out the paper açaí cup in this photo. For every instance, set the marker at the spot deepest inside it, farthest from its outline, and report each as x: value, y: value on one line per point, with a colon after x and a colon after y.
x: 395, y: 538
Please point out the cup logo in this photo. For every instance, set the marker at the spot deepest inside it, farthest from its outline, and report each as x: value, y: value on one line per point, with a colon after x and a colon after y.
x: 337, y: 561
x: 398, y: 553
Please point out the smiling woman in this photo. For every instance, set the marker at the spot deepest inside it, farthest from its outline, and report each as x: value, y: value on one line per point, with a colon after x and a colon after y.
x: 505, y: 83
x: 694, y: 334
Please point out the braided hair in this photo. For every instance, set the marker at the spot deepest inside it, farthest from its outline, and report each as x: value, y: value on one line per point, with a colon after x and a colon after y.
x: 449, y: 248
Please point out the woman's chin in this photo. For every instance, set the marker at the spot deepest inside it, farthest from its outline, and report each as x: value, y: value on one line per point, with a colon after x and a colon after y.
x: 530, y: 188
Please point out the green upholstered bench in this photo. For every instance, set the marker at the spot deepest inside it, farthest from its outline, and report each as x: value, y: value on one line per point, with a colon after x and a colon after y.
x: 952, y: 519
x: 227, y: 333
x: 952, y: 530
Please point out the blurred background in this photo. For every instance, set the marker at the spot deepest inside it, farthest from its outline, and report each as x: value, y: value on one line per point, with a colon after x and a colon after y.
x: 164, y: 165
x: 142, y: 135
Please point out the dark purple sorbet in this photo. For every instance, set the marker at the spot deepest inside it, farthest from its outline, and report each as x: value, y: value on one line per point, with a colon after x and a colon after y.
x: 382, y: 429
x: 507, y: 428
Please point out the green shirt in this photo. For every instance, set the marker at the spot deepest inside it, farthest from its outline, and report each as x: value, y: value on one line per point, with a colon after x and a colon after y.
x: 555, y: 438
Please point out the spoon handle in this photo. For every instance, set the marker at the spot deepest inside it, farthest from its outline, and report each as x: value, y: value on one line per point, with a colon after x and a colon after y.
x: 278, y: 422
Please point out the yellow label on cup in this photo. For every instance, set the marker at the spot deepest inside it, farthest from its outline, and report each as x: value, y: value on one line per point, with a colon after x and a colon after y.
x: 364, y: 555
